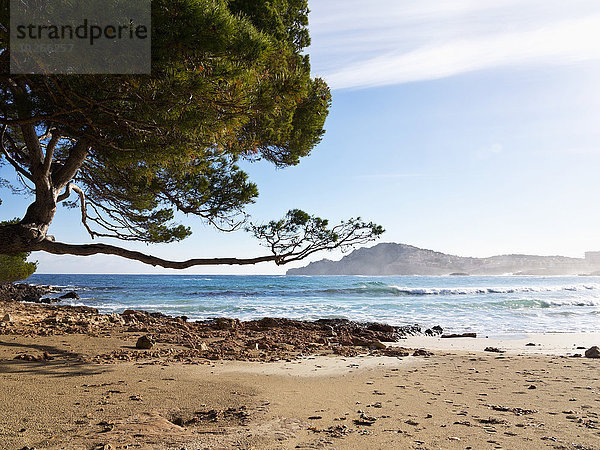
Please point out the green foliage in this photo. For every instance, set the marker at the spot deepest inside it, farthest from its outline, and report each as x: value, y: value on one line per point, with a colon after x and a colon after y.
x: 286, y: 20
x: 14, y: 267
x: 299, y: 235
x: 228, y: 83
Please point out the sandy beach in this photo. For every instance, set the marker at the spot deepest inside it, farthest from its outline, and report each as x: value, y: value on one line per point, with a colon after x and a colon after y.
x: 299, y: 224
x: 61, y: 390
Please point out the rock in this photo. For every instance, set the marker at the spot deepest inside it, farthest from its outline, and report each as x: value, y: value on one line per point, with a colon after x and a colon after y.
x: 365, y: 420
x: 144, y: 343
x: 593, y: 352
x: 267, y: 322
x: 71, y: 294
x: 377, y: 345
x: 370, y: 343
x: 493, y: 350
x: 223, y: 323
x: 7, y: 318
x: 48, y: 301
x: 408, y: 330
x: 115, y: 318
x: 133, y: 316
x: 330, y: 331
x: 530, y: 344
x: 461, y: 335
x: 204, y: 347
x: 422, y: 352
x: 381, y: 327
x: 398, y: 352
x: 22, y: 292
x: 434, y: 331
x: 28, y: 357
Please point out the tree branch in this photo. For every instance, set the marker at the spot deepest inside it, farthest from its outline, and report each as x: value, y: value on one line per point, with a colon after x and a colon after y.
x: 82, y: 204
x: 50, y: 153
x: 74, y: 161
x: 65, y: 195
x: 59, y: 248
x: 9, y: 158
x: 34, y: 148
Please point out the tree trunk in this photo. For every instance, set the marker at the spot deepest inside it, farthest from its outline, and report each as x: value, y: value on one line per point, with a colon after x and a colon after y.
x: 18, y: 238
x: 33, y: 228
x: 39, y: 215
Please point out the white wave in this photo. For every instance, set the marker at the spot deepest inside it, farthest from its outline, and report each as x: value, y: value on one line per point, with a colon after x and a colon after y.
x: 573, y: 302
x: 492, y: 290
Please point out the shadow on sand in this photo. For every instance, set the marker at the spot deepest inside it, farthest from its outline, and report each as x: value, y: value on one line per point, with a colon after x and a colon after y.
x: 62, y: 363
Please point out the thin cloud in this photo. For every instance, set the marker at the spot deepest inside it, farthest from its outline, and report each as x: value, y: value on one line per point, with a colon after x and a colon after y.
x: 387, y: 176
x: 489, y: 152
x: 395, y: 42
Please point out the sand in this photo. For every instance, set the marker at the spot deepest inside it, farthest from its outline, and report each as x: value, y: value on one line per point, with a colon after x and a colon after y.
x: 545, y: 344
x: 461, y: 397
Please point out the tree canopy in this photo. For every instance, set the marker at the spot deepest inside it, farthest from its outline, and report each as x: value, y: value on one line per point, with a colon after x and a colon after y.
x: 229, y: 82
x: 15, y: 267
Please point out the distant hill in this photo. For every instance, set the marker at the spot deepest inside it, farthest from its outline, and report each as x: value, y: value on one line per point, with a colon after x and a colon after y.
x: 402, y: 259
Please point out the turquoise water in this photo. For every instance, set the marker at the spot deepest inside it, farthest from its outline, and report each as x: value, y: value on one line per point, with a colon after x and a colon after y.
x: 489, y: 305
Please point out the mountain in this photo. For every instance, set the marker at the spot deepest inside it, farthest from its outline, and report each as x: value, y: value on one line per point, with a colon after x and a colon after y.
x: 402, y: 259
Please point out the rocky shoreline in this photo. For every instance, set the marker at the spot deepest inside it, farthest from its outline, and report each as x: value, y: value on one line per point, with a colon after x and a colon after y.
x: 23, y: 292
x: 155, y: 335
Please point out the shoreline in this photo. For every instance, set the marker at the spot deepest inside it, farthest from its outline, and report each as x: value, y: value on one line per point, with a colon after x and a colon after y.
x: 485, y: 306
x: 364, y: 336
x: 565, y: 344
x: 71, y: 377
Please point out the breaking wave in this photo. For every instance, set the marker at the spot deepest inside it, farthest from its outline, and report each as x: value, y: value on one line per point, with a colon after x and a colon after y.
x: 379, y: 288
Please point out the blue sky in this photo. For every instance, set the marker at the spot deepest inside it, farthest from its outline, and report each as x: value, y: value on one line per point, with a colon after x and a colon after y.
x: 467, y: 127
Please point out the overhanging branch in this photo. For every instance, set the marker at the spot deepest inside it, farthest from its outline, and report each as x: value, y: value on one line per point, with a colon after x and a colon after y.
x: 59, y: 248
x: 295, y: 237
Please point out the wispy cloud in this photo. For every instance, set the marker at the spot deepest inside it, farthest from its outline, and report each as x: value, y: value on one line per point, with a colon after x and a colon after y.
x: 386, y: 176
x: 489, y: 152
x: 360, y: 44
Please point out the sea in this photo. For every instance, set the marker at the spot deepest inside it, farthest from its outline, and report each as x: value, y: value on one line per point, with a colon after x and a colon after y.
x: 494, y: 306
